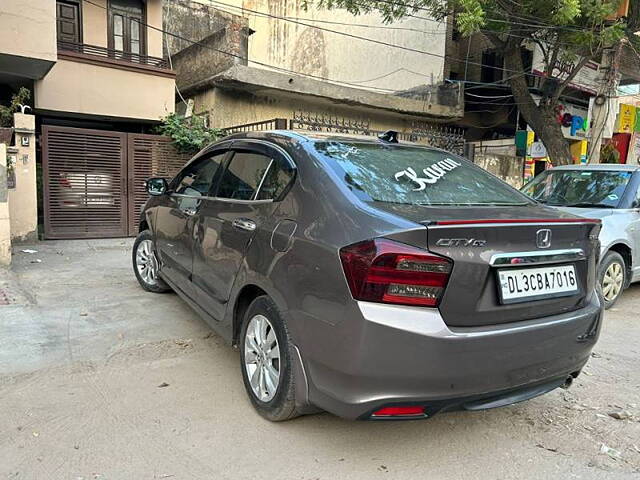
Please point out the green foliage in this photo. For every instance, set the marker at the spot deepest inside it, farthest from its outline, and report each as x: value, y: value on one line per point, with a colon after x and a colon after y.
x: 10, y: 165
x: 567, y: 11
x: 6, y: 112
x: 189, y: 134
x: 471, y: 17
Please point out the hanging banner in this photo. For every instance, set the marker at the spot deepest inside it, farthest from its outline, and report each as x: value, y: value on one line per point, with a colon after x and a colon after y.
x: 587, y: 79
x: 579, y: 152
x: 626, y: 119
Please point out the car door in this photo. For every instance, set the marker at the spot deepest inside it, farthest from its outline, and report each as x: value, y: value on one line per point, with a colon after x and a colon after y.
x: 633, y: 227
x: 175, y: 220
x: 255, y: 177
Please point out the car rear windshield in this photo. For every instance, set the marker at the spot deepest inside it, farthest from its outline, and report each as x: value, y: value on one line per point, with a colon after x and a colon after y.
x: 415, y: 176
x: 579, y: 188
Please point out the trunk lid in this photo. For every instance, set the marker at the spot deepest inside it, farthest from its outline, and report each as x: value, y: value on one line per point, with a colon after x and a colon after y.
x: 482, y: 241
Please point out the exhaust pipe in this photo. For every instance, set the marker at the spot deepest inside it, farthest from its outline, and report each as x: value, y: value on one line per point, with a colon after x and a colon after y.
x: 568, y: 381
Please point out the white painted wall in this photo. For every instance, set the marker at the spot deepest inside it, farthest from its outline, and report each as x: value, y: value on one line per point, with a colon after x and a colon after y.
x: 312, y: 51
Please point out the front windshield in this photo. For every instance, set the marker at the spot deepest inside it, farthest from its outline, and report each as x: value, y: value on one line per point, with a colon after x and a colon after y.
x: 415, y: 176
x: 579, y: 188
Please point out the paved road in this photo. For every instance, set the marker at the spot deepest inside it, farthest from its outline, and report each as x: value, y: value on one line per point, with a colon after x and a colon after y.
x: 84, y: 352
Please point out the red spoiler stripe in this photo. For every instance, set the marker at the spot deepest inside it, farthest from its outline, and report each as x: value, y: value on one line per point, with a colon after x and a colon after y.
x: 519, y: 220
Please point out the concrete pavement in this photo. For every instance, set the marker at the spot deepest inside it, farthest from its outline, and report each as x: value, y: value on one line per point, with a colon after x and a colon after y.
x: 101, y: 380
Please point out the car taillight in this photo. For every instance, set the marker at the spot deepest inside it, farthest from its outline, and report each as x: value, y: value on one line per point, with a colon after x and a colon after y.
x: 385, y: 271
x: 410, y: 411
x: 64, y: 181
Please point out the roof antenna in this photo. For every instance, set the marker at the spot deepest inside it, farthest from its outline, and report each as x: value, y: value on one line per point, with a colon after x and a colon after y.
x: 390, y: 136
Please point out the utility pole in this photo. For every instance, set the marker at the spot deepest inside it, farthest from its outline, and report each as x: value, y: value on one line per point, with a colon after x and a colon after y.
x: 602, y: 104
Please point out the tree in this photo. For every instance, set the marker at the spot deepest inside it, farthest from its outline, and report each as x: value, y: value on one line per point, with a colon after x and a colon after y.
x: 634, y: 19
x: 573, y: 32
x: 17, y: 100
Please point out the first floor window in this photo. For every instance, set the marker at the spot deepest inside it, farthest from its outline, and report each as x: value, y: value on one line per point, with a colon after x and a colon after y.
x: 126, y: 26
x: 68, y: 21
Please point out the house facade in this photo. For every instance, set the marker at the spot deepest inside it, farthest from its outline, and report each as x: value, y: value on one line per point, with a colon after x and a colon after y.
x: 311, y: 69
x: 96, y: 74
x: 106, y: 52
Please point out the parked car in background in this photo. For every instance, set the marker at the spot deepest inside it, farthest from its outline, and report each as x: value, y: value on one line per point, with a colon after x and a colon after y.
x: 85, y: 189
x: 608, y: 192
x: 372, y: 279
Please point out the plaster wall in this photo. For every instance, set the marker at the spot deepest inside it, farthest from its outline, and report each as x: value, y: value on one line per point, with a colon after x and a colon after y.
x: 317, y: 51
x: 5, y: 228
x: 23, y: 199
x: 104, y: 91
x: 28, y: 28
x: 227, y: 108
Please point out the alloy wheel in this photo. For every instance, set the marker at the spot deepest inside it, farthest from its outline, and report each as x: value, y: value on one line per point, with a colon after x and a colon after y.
x: 612, y: 281
x: 146, y: 262
x: 262, y: 358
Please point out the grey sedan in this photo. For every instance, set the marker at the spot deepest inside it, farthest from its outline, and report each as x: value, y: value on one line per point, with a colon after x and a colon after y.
x: 610, y: 193
x: 373, y: 279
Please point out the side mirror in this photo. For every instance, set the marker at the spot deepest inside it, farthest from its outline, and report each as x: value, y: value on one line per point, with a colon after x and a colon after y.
x: 157, y: 186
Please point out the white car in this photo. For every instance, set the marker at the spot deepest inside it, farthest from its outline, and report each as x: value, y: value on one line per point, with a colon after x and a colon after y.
x: 609, y: 192
x: 86, y: 189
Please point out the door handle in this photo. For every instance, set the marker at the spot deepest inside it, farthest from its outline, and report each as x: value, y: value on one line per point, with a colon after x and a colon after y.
x: 244, y: 224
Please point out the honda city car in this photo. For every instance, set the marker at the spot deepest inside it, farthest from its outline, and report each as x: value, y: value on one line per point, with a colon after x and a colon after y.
x: 370, y: 278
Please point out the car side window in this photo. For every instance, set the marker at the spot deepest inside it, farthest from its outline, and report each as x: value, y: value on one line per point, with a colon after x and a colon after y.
x: 275, y: 181
x: 243, y: 176
x: 196, y: 179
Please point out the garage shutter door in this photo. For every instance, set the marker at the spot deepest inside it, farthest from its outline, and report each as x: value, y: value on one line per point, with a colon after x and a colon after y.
x: 84, y: 183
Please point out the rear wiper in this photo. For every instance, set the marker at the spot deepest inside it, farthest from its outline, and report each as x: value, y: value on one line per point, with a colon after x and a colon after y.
x: 589, y: 205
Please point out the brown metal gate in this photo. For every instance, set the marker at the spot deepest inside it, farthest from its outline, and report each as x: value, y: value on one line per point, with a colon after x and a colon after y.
x: 149, y: 156
x: 94, y: 179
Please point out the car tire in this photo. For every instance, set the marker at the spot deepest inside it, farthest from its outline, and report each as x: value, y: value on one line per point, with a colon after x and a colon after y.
x: 263, y: 332
x: 146, y: 265
x: 612, y: 278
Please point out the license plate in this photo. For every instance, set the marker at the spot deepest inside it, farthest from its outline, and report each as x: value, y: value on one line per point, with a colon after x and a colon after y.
x: 537, y: 283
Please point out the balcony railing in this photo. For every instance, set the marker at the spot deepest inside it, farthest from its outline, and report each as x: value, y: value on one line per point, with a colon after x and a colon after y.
x: 109, y: 53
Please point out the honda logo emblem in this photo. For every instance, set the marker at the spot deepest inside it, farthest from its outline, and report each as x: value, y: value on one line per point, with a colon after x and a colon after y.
x: 543, y: 238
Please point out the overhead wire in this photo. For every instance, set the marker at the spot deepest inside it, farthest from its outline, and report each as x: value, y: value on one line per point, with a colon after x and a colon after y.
x: 355, y: 84
x: 488, y: 96
x: 358, y: 37
x: 505, y: 118
x: 250, y: 11
x: 240, y: 57
x: 378, y: 27
x: 278, y: 68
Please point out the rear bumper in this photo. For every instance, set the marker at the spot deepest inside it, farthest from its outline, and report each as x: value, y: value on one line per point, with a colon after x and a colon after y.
x: 475, y: 402
x: 397, y: 355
